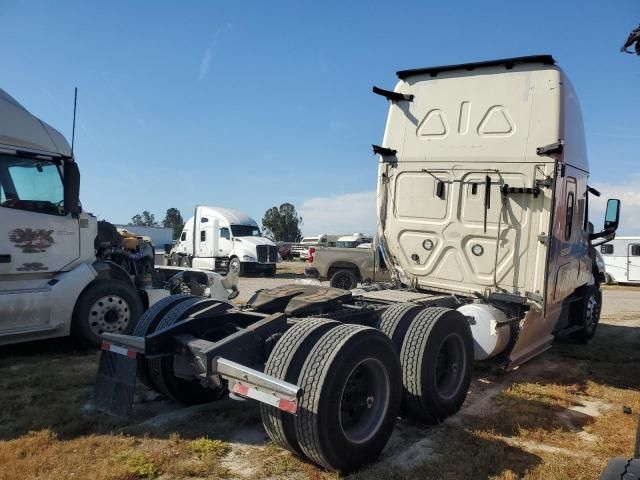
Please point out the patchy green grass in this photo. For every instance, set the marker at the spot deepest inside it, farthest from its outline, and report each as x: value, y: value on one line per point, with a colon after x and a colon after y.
x: 205, y: 447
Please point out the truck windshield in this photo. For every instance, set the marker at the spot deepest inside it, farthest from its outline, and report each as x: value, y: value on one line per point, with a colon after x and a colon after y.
x: 31, y: 184
x: 245, y: 231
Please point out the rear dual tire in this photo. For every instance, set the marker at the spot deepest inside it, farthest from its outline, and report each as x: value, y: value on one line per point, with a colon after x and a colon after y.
x: 285, y: 362
x: 352, y: 392
x: 437, y: 359
x: 158, y: 373
x: 436, y: 353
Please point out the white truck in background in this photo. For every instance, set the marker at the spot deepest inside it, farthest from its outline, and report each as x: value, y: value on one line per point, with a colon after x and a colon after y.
x: 223, y: 239
x: 61, y: 271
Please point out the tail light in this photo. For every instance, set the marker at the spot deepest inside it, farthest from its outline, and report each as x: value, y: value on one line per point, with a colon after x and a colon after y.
x: 312, y: 250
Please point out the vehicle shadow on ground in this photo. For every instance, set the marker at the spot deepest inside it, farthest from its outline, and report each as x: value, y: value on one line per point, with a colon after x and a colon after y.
x: 447, y: 451
x: 611, y: 358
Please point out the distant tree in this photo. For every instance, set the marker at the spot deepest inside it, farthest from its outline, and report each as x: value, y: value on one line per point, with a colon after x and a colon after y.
x: 145, y: 219
x: 173, y: 219
x: 283, y: 223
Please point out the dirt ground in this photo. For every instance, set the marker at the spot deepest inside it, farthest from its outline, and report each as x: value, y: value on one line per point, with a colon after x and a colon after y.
x: 560, y: 416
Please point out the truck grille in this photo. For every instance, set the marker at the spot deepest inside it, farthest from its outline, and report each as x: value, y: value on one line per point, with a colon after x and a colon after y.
x: 267, y: 253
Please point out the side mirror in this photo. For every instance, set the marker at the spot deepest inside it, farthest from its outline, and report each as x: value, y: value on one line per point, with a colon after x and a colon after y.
x: 72, y: 188
x: 611, y: 220
x: 612, y: 215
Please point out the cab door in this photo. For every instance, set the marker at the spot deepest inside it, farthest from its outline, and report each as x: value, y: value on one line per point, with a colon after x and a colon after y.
x: 36, y: 240
x: 204, y: 239
x: 226, y: 243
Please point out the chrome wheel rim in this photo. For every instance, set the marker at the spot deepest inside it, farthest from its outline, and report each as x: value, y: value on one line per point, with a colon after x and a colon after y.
x: 592, y: 314
x: 110, y: 313
x: 234, y: 266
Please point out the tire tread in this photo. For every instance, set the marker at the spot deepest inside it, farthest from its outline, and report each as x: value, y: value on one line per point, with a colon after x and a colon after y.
x: 286, y: 351
x: 311, y: 380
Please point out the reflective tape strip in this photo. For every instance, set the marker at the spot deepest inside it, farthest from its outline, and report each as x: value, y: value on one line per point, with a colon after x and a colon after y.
x: 119, y: 350
x: 264, y: 397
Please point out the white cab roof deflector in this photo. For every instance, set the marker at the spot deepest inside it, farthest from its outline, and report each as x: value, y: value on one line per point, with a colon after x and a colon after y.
x: 19, y: 130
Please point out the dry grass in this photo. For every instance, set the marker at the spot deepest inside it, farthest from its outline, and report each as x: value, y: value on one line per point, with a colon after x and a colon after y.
x: 561, y: 420
x: 43, y: 455
x: 46, y: 432
x: 275, y: 463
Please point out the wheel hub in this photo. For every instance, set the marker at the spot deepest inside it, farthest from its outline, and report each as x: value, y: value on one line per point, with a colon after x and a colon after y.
x: 364, y: 401
x: 109, y: 314
x: 448, y: 374
x: 592, y: 312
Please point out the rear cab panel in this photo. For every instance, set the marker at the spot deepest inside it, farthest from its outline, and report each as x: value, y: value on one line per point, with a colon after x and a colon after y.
x: 466, y: 128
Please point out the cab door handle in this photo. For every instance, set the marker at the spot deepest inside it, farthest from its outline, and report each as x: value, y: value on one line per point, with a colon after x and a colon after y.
x: 5, y: 258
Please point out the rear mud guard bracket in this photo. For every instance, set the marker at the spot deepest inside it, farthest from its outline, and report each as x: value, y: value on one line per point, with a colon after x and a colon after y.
x: 116, y: 383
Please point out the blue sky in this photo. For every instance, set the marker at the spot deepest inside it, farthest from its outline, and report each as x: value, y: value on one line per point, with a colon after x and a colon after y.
x: 250, y: 104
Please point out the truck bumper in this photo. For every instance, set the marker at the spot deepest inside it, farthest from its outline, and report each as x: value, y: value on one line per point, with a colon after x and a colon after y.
x: 311, y: 272
x: 255, y: 267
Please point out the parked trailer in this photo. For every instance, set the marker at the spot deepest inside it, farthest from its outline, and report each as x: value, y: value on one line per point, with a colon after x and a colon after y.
x: 622, y: 260
x: 483, y: 223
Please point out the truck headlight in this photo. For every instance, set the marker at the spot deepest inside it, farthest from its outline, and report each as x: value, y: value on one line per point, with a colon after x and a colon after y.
x: 248, y: 258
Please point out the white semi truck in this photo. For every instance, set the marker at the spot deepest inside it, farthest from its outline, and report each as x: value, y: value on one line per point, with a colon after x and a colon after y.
x: 224, y: 239
x: 61, y: 271
x: 483, y: 223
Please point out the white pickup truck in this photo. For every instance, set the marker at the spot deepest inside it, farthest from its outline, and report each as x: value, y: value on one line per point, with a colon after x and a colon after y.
x: 345, y: 267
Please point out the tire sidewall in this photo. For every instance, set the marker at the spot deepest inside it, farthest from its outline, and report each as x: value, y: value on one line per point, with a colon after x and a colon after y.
x: 335, y: 445
x: 442, y: 330
x: 239, y: 269
x: 591, y: 328
x: 80, y: 327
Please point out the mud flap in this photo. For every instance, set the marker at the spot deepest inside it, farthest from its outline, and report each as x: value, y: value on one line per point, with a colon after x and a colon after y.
x: 115, y: 384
